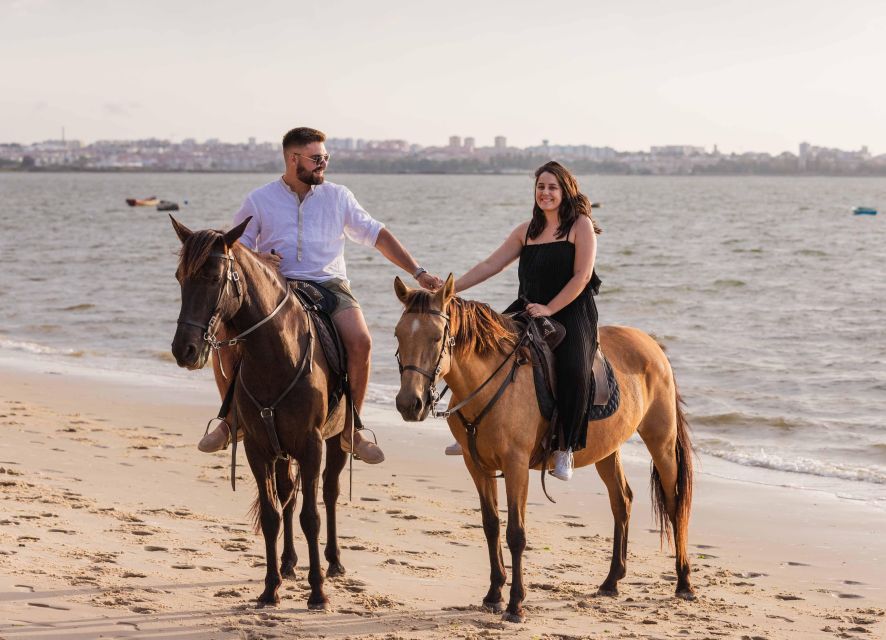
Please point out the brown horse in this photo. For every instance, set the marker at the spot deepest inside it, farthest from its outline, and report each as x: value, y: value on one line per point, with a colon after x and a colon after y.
x: 223, y: 283
x: 465, y: 342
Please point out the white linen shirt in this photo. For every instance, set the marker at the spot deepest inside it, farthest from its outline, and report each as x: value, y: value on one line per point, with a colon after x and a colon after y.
x: 309, y: 236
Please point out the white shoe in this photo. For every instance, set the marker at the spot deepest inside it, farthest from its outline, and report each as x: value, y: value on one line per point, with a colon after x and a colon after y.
x: 562, y: 465
x: 454, y: 449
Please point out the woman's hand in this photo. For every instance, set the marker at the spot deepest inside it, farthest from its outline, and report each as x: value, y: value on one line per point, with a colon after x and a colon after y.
x: 538, y: 310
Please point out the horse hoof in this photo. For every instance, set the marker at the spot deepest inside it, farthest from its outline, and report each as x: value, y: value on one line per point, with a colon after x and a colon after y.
x: 267, y: 601
x: 494, y: 607
x: 320, y: 605
x: 607, y: 592
x: 517, y: 618
x: 287, y: 571
x: 335, y: 570
x: 686, y: 594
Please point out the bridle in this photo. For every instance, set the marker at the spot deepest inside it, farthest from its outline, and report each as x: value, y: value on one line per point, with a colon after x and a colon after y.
x: 210, y: 328
x: 433, y: 397
x: 470, y: 425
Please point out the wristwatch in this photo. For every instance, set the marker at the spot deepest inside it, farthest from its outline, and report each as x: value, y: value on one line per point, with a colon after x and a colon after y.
x: 418, y: 272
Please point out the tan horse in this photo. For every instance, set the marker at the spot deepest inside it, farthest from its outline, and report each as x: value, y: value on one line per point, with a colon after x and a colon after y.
x: 513, y: 429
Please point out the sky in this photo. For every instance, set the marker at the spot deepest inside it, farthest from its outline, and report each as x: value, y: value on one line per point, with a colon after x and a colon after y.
x: 745, y: 75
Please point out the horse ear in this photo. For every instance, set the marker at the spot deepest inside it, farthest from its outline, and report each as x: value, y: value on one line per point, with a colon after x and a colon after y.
x: 448, y: 290
x: 401, y: 289
x: 234, y: 234
x: 181, y: 230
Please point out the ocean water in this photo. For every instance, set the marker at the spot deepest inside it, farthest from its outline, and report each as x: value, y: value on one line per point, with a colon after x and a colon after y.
x: 768, y: 294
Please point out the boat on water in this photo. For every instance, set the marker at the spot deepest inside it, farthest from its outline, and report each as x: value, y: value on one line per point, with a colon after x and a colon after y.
x: 151, y: 201
x: 864, y: 211
x: 166, y: 205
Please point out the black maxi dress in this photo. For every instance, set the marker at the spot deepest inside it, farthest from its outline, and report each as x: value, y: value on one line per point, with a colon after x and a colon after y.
x: 543, y: 271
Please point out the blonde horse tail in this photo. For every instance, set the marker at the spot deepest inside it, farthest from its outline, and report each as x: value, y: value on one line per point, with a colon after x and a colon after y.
x: 683, y: 454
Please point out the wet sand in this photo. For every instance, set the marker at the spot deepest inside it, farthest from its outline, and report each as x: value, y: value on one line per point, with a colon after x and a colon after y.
x: 113, y: 525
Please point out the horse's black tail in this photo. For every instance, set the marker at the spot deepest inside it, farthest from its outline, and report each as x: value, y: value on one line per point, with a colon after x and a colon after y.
x: 683, y: 454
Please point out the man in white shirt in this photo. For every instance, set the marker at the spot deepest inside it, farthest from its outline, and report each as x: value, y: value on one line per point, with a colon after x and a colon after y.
x: 304, y: 220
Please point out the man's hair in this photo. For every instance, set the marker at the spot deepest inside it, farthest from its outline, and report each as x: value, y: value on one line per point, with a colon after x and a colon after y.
x: 300, y: 136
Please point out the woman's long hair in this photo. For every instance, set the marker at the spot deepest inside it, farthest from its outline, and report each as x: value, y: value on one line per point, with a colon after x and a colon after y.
x: 573, y: 204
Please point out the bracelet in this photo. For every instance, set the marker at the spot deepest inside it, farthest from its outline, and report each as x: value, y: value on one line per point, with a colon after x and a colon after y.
x: 418, y: 272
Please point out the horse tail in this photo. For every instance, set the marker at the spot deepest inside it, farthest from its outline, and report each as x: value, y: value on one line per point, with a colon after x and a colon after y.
x: 683, y: 454
x: 254, y: 514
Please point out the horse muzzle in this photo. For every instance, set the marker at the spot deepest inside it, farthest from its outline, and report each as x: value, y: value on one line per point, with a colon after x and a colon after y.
x: 412, y: 406
x: 190, y: 352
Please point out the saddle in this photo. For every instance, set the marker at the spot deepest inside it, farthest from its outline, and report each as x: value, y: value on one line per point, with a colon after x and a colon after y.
x: 319, y: 303
x: 545, y: 335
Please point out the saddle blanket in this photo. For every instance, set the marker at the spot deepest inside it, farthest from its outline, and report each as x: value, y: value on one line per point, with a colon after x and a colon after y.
x: 604, y: 384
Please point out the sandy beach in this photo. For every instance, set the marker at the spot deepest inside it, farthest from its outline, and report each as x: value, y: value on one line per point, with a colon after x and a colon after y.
x: 113, y: 525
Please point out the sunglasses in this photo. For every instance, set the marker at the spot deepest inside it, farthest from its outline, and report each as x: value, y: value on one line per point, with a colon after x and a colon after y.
x: 317, y: 159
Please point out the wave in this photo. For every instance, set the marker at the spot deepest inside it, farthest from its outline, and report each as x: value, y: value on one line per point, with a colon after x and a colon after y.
x: 42, y: 349
x: 729, y: 282
x: 163, y: 356
x: 78, y: 307
x: 736, y: 418
x: 807, y: 466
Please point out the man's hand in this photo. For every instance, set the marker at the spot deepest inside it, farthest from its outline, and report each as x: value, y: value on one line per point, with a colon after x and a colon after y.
x: 274, y: 257
x: 430, y: 281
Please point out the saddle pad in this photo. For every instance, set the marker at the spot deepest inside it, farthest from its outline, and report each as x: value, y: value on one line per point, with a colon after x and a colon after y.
x: 546, y: 402
x: 317, y: 301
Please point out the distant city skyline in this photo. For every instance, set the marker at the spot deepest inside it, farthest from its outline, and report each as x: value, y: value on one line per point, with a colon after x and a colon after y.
x: 746, y: 76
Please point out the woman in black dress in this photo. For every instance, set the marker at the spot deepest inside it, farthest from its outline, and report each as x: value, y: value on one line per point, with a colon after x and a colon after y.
x: 557, y: 248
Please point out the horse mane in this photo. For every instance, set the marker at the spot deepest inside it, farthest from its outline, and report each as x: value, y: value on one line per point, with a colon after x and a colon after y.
x: 197, y: 248
x: 476, y: 327
x: 195, y: 252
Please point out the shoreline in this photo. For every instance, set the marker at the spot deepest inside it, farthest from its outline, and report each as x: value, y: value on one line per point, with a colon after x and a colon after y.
x: 164, y: 375
x: 769, y: 561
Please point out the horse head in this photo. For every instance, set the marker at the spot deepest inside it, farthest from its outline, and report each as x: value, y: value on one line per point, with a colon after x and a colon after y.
x: 424, y: 346
x: 211, y: 290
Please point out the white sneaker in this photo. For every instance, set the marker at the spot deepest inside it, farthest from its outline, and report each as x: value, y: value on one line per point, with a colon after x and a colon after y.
x: 453, y: 450
x: 562, y: 465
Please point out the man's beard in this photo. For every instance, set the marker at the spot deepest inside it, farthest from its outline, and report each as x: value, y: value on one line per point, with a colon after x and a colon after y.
x: 309, y: 177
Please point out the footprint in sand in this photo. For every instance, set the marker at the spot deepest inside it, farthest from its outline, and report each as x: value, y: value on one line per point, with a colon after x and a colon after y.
x: 151, y: 547
x: 43, y: 605
x: 787, y: 596
x: 797, y: 564
x: 849, y: 595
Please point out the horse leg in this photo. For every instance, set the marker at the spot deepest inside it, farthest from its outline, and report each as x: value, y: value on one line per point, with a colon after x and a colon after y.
x: 269, y: 517
x: 335, y: 462
x: 287, y: 491
x: 517, y: 487
x: 671, y: 481
x: 310, y: 521
x: 620, y: 497
x: 487, y: 489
